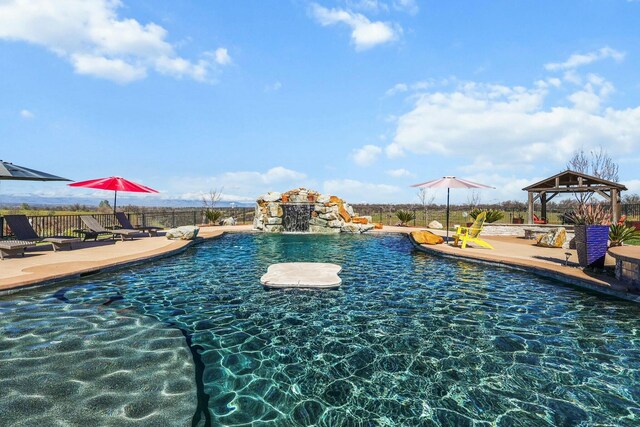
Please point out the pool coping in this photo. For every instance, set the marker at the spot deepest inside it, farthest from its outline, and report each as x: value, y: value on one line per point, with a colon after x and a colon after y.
x: 589, y: 283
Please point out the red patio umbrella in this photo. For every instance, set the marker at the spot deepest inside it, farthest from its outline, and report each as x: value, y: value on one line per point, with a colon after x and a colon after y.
x: 114, y: 183
x: 449, y: 182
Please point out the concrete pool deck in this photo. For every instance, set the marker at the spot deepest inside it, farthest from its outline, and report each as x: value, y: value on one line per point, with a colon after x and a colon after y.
x: 41, y: 265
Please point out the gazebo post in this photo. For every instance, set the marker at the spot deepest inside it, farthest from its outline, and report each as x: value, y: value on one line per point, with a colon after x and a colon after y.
x: 615, y: 206
x: 543, y: 204
x: 530, y: 208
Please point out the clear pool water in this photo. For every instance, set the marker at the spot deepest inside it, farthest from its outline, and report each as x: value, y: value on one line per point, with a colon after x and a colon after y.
x: 409, y: 340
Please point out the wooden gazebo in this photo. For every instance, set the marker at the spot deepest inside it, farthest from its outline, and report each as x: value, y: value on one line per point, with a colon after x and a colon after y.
x: 573, y: 182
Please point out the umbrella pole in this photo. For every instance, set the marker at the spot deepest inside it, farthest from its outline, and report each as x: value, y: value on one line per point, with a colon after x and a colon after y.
x: 448, y: 189
x: 115, y: 198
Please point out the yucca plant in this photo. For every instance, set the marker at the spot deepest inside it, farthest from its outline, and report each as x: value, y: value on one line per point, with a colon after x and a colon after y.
x: 212, y: 215
x: 493, y: 215
x: 590, y: 214
x: 405, y: 217
x: 620, y: 233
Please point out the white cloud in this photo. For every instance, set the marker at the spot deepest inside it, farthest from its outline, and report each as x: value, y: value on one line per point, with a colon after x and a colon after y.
x: 26, y: 114
x: 405, y: 87
x: 238, y: 185
x: 222, y: 56
x: 360, y: 192
x: 409, y: 6
x: 365, y: 34
x: 273, y: 87
x: 378, y: 6
x: 374, y: 6
x: 399, y: 173
x: 633, y: 185
x: 397, y: 88
x: 577, y: 59
x: 510, y: 128
x: 96, y: 41
x: 367, y: 155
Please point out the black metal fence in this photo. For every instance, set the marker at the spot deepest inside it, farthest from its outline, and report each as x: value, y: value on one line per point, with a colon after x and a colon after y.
x: 64, y: 225
x: 58, y: 225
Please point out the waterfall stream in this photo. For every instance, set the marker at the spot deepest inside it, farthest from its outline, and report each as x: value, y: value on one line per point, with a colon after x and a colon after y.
x: 296, y: 217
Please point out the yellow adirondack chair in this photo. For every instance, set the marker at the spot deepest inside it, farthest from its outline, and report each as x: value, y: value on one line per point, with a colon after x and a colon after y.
x: 470, y: 234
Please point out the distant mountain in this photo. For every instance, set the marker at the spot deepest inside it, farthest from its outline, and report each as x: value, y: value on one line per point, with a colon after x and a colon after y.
x: 7, y: 201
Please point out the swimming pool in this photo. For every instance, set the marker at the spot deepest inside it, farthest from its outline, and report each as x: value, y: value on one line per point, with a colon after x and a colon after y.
x: 409, y: 339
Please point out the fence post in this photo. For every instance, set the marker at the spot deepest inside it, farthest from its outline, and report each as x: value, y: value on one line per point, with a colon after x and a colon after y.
x: 194, y: 218
x: 173, y: 218
x: 1, y: 227
x: 244, y: 215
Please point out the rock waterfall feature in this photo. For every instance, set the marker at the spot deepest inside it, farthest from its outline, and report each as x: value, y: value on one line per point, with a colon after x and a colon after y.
x: 307, y: 211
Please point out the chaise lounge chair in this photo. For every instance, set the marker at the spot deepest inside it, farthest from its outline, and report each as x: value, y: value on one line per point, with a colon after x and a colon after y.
x: 94, y: 229
x: 13, y: 247
x: 126, y: 224
x: 470, y: 234
x: 22, y: 229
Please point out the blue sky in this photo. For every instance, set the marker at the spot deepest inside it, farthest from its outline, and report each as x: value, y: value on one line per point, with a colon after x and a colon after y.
x: 358, y: 98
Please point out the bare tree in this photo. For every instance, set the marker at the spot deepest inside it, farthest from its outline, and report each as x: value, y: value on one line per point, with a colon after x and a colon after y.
x: 473, y: 199
x: 597, y: 163
x: 631, y: 199
x: 209, y: 202
x: 426, y: 198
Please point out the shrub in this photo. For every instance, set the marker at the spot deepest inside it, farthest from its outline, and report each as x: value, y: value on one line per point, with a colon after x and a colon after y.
x: 619, y: 234
x: 493, y: 215
x: 213, y: 216
x: 405, y: 217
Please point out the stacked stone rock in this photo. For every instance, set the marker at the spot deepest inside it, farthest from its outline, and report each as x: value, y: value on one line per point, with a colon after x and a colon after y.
x: 329, y: 214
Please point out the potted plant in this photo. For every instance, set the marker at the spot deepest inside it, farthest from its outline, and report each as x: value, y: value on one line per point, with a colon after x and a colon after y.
x: 518, y: 219
x: 591, y: 234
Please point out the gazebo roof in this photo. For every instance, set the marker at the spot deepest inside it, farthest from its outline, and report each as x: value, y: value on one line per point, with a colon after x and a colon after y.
x: 571, y: 181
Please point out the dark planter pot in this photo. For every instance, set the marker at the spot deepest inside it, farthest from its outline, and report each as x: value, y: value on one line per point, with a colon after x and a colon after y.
x: 591, y: 244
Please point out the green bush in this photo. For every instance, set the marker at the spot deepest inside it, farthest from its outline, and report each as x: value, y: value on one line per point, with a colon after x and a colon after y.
x: 213, y: 216
x: 619, y: 234
x: 405, y: 216
x: 493, y: 215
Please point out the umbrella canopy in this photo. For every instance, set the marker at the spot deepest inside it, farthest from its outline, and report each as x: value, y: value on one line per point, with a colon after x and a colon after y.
x: 114, y: 183
x: 9, y: 171
x: 449, y: 182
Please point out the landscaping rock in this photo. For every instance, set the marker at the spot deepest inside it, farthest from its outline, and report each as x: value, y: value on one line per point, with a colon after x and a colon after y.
x: 425, y: 237
x: 187, y: 232
x: 436, y: 225
x: 228, y: 221
x: 553, y: 239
